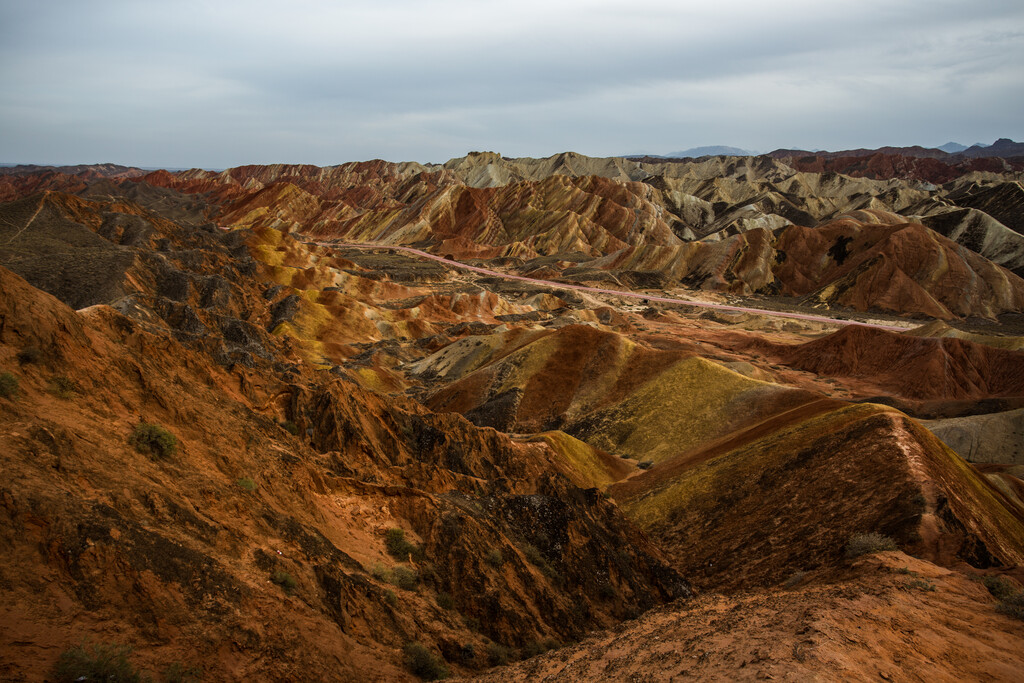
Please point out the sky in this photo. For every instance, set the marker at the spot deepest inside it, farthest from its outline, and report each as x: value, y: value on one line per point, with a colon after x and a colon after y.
x: 216, y: 84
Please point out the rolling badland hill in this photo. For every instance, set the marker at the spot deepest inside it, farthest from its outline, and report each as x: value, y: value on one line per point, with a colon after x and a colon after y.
x: 613, y: 418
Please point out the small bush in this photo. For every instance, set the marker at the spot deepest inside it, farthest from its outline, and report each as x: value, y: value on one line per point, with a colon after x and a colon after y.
x: 999, y: 587
x: 405, y: 578
x: 494, y: 557
x: 921, y: 584
x: 63, y: 387
x: 498, y: 655
x: 539, y: 647
x: 290, y: 427
x: 28, y: 355
x: 284, y: 580
x: 153, y: 440
x: 795, y: 579
x: 645, y: 464
x: 467, y: 654
x: 534, y: 556
x: 865, y: 544
x: 445, y: 601
x: 177, y: 673
x: 107, y: 663
x: 246, y: 484
x: 380, y: 572
x: 8, y: 385
x: 428, y: 572
x: 1013, y: 605
x: 424, y: 663
x: 391, y: 598
x: 399, y: 548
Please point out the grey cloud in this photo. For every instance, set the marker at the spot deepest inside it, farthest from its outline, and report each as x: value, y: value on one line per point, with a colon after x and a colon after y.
x: 328, y: 82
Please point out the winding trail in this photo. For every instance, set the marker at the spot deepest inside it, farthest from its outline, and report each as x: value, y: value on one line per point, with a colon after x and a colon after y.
x: 615, y: 292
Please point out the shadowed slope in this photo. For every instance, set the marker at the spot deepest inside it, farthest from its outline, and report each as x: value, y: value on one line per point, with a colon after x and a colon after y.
x: 791, y: 499
x: 914, y: 367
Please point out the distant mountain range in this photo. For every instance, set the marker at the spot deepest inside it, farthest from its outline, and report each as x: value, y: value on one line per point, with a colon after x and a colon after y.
x: 711, y: 151
x: 1004, y: 147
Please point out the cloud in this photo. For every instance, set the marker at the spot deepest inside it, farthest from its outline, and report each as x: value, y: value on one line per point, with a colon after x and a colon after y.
x: 216, y: 84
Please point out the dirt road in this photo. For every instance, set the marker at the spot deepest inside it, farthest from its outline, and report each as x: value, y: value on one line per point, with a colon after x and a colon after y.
x: 615, y: 292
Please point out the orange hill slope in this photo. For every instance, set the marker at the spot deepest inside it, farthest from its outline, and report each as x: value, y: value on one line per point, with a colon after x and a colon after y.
x: 176, y: 554
x: 878, y: 361
x: 888, y: 617
x: 613, y: 393
x: 903, y: 268
x: 789, y: 499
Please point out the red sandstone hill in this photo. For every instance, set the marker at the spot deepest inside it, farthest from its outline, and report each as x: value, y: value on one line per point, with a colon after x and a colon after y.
x: 176, y: 556
x: 315, y: 392
x: 902, y: 267
x: 882, y: 165
x: 908, y: 366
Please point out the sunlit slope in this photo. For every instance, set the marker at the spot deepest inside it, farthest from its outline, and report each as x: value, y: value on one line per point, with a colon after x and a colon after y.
x: 693, y: 401
x: 326, y: 303
x: 586, y: 466
x: 604, y: 389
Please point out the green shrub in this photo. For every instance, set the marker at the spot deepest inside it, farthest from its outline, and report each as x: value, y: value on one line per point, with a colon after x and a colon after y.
x: 400, y: 548
x: 290, y: 427
x: 539, y: 647
x: 95, y: 663
x: 921, y: 584
x: 534, y: 556
x: 494, y: 557
x: 63, y: 387
x: 445, y: 601
x: 467, y: 654
x: 29, y: 354
x: 178, y: 673
x: 1013, y: 605
x: 153, y: 440
x: 645, y: 464
x: 795, y: 579
x: 865, y: 544
x: 380, y: 572
x: 428, y: 572
x: 8, y: 385
x: 391, y: 597
x: 404, y: 578
x: 246, y: 484
x: 424, y: 663
x: 498, y: 655
x: 284, y: 580
x: 999, y: 587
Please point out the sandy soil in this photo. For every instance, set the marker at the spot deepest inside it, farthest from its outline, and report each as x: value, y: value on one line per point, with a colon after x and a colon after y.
x: 890, y: 618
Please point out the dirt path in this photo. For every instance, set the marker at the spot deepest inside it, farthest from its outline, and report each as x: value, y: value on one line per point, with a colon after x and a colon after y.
x: 615, y: 292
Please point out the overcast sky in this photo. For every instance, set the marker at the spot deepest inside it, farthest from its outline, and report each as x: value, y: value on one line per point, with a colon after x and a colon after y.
x: 216, y: 84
